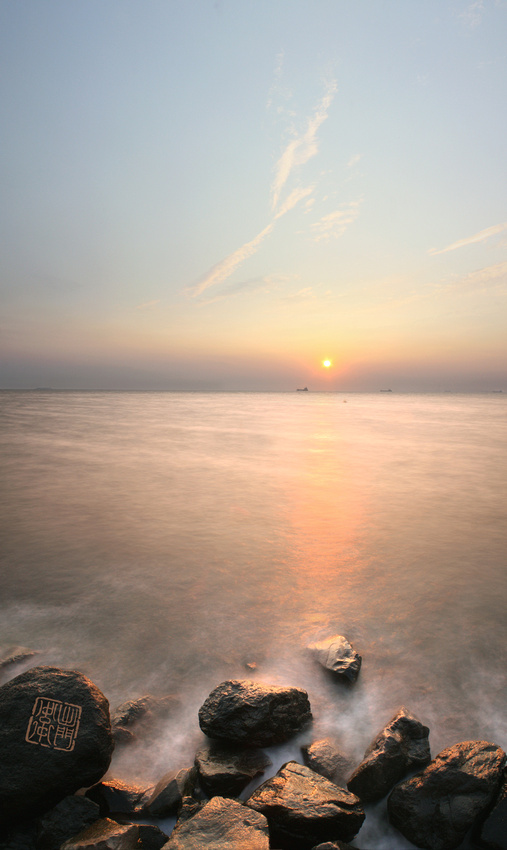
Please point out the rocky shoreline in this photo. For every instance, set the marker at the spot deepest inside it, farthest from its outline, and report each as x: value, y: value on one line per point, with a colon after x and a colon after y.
x: 57, y: 738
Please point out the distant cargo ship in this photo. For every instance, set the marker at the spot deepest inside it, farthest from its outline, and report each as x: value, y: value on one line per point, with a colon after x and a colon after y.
x: 302, y: 389
x: 386, y: 391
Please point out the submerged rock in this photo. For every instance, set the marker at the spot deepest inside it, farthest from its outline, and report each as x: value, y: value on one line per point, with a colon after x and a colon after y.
x: 14, y: 655
x: 254, y: 714
x: 304, y: 809
x: 221, y: 824
x: 105, y: 834
x: 167, y: 796
x: 325, y: 757
x: 337, y: 655
x: 139, y: 713
x: 436, y: 807
x: 71, y: 816
x: 55, y: 737
x: 115, y: 796
x: 225, y: 770
x: 400, y: 747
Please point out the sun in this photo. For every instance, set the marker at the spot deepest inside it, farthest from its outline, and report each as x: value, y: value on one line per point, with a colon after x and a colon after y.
x: 327, y: 363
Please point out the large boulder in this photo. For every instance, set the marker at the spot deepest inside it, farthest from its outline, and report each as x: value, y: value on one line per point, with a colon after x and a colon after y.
x: 222, y: 824
x: 55, y: 737
x: 304, y: 809
x: 167, y: 796
x: 225, y: 770
x: 325, y: 757
x: 436, y: 807
x: 400, y: 747
x: 492, y: 832
x: 337, y: 655
x: 254, y: 714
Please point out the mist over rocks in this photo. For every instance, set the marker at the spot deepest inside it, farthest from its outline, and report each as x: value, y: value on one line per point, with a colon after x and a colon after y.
x: 55, y: 737
x: 400, y: 747
x: 338, y: 656
x: 325, y: 757
x: 255, y: 714
x: 139, y: 713
x: 225, y: 770
x: 304, y: 809
x: 437, y: 807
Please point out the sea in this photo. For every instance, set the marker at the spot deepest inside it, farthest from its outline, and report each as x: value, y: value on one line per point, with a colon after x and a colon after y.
x: 163, y: 542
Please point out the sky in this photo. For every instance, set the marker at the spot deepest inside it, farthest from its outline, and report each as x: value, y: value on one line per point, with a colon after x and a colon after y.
x: 203, y: 195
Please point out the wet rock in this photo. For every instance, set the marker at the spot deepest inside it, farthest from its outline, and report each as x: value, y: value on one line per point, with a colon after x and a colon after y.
x: 55, y: 737
x: 225, y: 770
x: 221, y: 824
x: 337, y: 655
x: 492, y: 832
x: 151, y: 837
x: 400, y: 747
x: 68, y: 818
x: 189, y: 807
x: 167, y: 796
x: 14, y: 655
x: 105, y: 834
x: 254, y: 714
x: 114, y: 796
x: 436, y: 807
x: 325, y: 757
x: 304, y: 809
x: 139, y: 712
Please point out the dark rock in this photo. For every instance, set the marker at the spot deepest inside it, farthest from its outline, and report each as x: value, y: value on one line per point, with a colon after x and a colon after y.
x: 139, y: 712
x: 337, y: 655
x: 151, y: 837
x: 20, y: 837
x: 492, y: 832
x: 436, y: 807
x: 304, y: 809
x: 334, y: 845
x: 55, y: 737
x: 105, y: 834
x: 254, y: 714
x: 113, y: 796
x: 225, y: 771
x: 189, y: 807
x: 221, y: 824
x: 326, y: 758
x: 14, y: 655
x: 167, y: 796
x: 68, y: 818
x: 400, y: 747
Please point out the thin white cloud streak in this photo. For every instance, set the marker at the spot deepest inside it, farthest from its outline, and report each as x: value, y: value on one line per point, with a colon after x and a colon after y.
x: 486, y: 281
x: 147, y: 305
x: 477, y: 237
x: 334, y: 225
x: 294, y: 198
x: 300, y: 150
x: 226, y: 267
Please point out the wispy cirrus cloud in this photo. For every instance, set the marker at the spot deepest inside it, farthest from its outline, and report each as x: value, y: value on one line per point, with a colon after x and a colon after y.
x: 222, y: 270
x: 334, y: 224
x: 488, y: 280
x: 265, y: 283
x: 470, y: 240
x: 148, y: 305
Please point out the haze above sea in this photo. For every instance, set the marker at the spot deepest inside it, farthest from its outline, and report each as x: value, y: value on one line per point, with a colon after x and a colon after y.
x: 163, y: 542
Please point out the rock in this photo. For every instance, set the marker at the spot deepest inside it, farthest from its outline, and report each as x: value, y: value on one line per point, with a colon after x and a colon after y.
x: 55, y: 737
x: 400, y: 747
x: 105, y: 834
x: 304, y: 809
x: 251, y: 713
x: 141, y: 712
x: 334, y: 845
x: 151, y: 837
x: 337, y: 655
x: 492, y: 832
x: 225, y: 770
x: 20, y: 837
x: 114, y: 796
x: 68, y: 818
x: 221, y: 824
x: 436, y: 807
x: 167, y: 796
x: 14, y: 655
x: 326, y: 758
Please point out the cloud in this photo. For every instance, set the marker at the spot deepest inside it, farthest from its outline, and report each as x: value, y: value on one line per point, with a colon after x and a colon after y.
x: 147, y: 305
x: 354, y: 160
x: 334, y: 225
x: 488, y: 280
x: 470, y: 240
x: 472, y: 16
x: 301, y: 149
x: 265, y: 283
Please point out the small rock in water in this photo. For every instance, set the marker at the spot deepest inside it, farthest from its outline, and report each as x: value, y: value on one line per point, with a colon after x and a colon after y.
x: 337, y: 655
x: 221, y: 824
x: 139, y: 712
x: 55, y: 737
x: 304, y: 809
x: 14, y: 655
x: 225, y: 770
x: 105, y: 834
x: 115, y: 796
x: 151, y: 837
x: 400, y: 747
x: 254, y: 714
x: 436, y: 807
x: 325, y: 757
x: 167, y: 795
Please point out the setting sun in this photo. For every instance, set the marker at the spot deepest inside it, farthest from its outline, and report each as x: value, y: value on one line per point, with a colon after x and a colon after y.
x: 326, y: 363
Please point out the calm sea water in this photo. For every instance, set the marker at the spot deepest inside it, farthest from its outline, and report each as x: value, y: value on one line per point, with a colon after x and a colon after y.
x: 163, y: 542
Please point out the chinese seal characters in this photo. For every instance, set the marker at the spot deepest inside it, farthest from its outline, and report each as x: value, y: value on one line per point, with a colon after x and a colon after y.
x: 53, y: 724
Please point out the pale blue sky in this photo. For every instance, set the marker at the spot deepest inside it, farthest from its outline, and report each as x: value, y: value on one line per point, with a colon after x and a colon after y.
x: 222, y: 194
